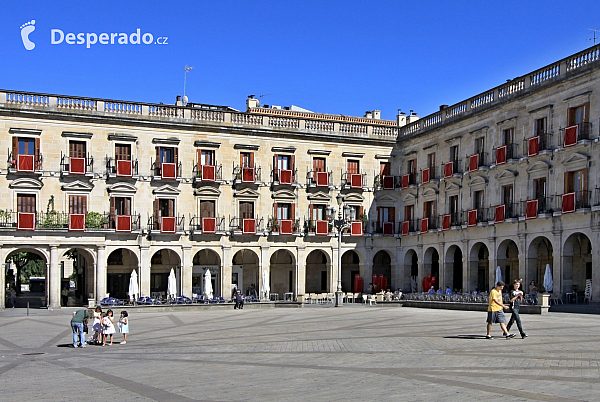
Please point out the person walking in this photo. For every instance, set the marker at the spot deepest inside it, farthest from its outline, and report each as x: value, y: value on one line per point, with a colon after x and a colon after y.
x: 79, y: 317
x: 12, y: 296
x: 239, y: 300
x: 495, y: 313
x: 516, y: 298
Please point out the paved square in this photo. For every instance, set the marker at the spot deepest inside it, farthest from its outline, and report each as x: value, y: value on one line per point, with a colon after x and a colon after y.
x: 307, y: 354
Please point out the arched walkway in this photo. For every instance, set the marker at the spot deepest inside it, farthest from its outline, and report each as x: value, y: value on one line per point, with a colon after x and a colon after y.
x: 283, y: 273
x: 245, y: 264
x: 453, y: 268
x: 539, y: 255
x: 507, y: 259
x: 77, y: 277
x: 26, y: 269
x: 161, y: 263
x: 318, y: 272
x: 350, y: 268
x: 577, y: 263
x: 119, y: 265
x: 411, y: 270
x: 431, y: 265
x: 479, y: 267
x: 382, y: 265
x: 203, y: 260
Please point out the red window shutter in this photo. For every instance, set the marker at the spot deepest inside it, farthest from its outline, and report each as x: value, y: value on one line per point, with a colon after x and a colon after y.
x: 112, y: 206
x: 15, y: 147
x: 156, y: 208
x: 241, y: 160
x: 361, y: 212
x: 199, y: 163
x: 251, y: 159
x: 310, y: 212
x: 392, y: 214
x: 171, y: 207
x: 292, y: 162
x: 36, y: 151
x: 275, y: 210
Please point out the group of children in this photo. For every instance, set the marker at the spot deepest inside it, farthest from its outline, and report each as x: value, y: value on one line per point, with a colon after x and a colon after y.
x: 104, y: 327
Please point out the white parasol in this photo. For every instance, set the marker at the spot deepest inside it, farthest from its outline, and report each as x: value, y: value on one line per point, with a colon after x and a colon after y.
x: 548, y: 284
x: 498, y: 275
x: 208, y: 289
x: 134, y: 289
x: 264, y: 286
x: 172, y: 284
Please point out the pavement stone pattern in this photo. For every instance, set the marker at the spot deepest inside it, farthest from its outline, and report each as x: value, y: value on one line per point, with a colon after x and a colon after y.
x: 315, y: 353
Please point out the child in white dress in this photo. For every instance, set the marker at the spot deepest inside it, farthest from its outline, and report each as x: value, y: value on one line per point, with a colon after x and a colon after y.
x: 109, y: 327
x: 124, y: 326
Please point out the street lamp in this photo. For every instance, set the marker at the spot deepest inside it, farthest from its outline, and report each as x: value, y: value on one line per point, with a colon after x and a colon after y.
x: 340, y: 224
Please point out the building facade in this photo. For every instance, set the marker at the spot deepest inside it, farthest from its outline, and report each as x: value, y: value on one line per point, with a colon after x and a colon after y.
x: 508, y: 178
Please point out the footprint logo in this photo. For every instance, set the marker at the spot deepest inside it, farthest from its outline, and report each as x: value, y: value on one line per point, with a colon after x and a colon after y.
x: 26, y: 29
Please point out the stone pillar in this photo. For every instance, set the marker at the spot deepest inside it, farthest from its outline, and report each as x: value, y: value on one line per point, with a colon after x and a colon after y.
x: 421, y: 265
x: 523, y: 252
x: 264, y: 265
x: 54, y: 279
x: 334, y: 266
x: 101, y: 273
x: 186, y: 271
x: 366, y: 266
x: 226, y: 270
x: 441, y: 280
x: 492, y: 263
x: 595, y: 239
x: 301, y: 270
x: 144, y: 271
x: 3, y: 273
x: 466, y: 264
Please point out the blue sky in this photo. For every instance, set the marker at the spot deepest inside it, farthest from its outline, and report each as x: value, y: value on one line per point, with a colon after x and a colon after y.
x: 341, y: 57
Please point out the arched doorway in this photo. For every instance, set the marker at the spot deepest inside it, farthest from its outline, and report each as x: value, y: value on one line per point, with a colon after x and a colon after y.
x: 119, y: 266
x: 26, y: 274
x: 382, y: 265
x: 161, y: 263
x: 318, y: 274
x: 411, y: 270
x: 539, y: 255
x: 479, y: 265
x: 577, y: 263
x: 283, y: 273
x: 508, y: 260
x: 203, y: 260
x: 350, y: 268
x: 245, y: 265
x: 453, y: 272
x: 77, y: 277
x: 431, y: 265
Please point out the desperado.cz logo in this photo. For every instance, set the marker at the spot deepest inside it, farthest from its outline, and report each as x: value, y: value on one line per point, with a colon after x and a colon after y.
x: 57, y: 37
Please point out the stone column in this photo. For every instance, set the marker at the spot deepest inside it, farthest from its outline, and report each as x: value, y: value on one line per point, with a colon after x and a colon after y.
x: 186, y: 271
x: 144, y: 270
x: 523, y: 252
x: 595, y: 262
x: 366, y: 267
x: 264, y: 265
x: 54, y: 279
x: 226, y: 270
x: 421, y: 265
x: 101, y: 273
x: 301, y: 270
x: 466, y: 264
x: 2, y: 276
x: 441, y: 280
x: 334, y: 266
x: 492, y: 263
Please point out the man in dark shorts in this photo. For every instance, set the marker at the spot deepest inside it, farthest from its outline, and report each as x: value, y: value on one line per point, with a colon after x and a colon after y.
x: 239, y: 300
x: 495, y: 313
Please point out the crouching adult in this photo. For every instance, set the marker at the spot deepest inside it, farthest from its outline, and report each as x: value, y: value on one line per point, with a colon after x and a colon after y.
x: 239, y: 300
x: 79, y: 318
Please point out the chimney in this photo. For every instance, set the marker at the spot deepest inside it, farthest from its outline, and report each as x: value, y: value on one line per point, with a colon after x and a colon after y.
x: 377, y: 114
x: 178, y: 101
x: 442, y: 107
x: 252, y: 102
x: 412, y: 117
x: 368, y: 114
x: 401, y: 118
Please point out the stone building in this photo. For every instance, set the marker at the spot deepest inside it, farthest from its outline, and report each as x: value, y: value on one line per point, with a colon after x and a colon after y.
x: 508, y: 178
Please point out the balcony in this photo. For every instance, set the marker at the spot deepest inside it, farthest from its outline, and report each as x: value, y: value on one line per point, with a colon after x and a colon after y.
x: 408, y: 226
x: 124, y: 223
x: 284, y: 177
x: 453, y: 169
x: 319, y: 179
x: 166, y: 224
x: 575, y: 134
x: 409, y: 180
x: 246, y: 226
x: 246, y: 174
x: 25, y: 163
x: 385, y: 228
x: 451, y: 220
x: 428, y: 224
x: 121, y: 168
x: 429, y: 175
x: 207, y: 173
x: 318, y: 228
x: 540, y: 144
x: 476, y: 162
x: 284, y: 227
x: 384, y: 182
x: 505, y: 154
x: 570, y: 202
x: 354, y: 180
x: 165, y: 170
x: 476, y: 217
x: 70, y: 166
x: 505, y: 212
x: 207, y: 225
x: 533, y: 208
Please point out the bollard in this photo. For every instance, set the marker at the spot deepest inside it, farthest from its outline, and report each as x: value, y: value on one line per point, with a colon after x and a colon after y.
x: 27, y: 309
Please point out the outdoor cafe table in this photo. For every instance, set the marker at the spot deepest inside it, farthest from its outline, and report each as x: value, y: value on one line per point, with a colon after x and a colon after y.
x: 288, y: 296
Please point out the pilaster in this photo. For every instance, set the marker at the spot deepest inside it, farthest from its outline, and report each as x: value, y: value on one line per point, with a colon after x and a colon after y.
x: 54, y: 279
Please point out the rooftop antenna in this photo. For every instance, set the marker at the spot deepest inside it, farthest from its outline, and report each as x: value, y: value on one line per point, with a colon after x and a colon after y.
x: 594, y: 38
x: 261, y: 96
x: 187, y: 69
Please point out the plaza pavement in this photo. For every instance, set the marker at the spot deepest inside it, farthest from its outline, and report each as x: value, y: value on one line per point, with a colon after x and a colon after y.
x: 315, y: 353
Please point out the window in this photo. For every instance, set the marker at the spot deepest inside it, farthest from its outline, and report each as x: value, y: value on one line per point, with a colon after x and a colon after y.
x: 478, y: 199
x: 507, y: 195
x: 26, y: 146
x: 385, y: 169
x: 540, y: 126
x: 508, y: 136
x: 246, y: 210
x: 576, y: 181
x: 283, y: 211
x: 353, y: 166
x: 77, y: 204
x: 164, y: 207
x: 26, y: 154
x: 123, y: 152
x: 284, y: 162
x: 539, y: 187
x: 247, y: 159
x: 166, y: 155
x: 453, y: 153
x: 120, y: 206
x: 26, y: 203
x: 409, y: 211
x: 77, y: 149
x: 578, y: 114
x: 411, y: 166
x: 319, y: 165
x: 385, y: 214
x: 479, y: 145
x: 207, y: 209
x: 317, y: 212
x: 207, y: 157
x: 431, y: 160
x: 166, y: 162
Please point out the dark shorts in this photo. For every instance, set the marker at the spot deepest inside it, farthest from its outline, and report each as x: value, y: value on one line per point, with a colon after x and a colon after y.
x: 495, y: 317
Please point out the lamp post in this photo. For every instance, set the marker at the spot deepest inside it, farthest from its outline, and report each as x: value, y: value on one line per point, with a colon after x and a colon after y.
x: 340, y: 224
